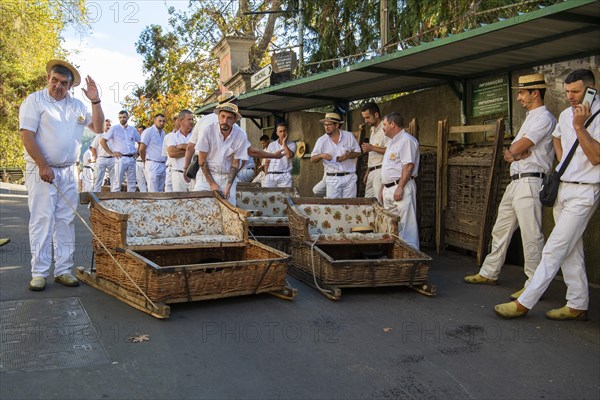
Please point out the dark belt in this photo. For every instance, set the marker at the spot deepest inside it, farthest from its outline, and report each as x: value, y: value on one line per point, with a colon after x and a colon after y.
x: 87, y: 166
x: 527, y: 175
x: 139, y: 160
x: 162, y: 162
x: 127, y: 155
x: 338, y: 173
x: 389, y: 185
x: 374, y: 168
x: 275, y: 172
x: 581, y: 183
x: 177, y: 170
x: 106, y: 156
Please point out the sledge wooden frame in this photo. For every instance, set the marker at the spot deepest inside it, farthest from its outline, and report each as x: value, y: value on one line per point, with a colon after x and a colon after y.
x: 313, y: 265
x: 187, y: 274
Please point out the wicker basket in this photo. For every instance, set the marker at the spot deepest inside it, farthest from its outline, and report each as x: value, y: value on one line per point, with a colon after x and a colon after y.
x: 197, y: 273
x: 340, y: 266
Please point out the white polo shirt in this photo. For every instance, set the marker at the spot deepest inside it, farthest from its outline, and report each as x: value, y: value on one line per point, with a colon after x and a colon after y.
x: 99, y: 149
x: 580, y: 169
x: 282, y: 164
x: 201, y: 125
x: 58, y: 126
x: 175, y: 139
x: 538, y: 127
x: 123, y: 139
x: 154, y: 139
x: 164, y: 152
x: 346, y: 143
x: 221, y: 152
x: 402, y: 149
x: 377, y: 139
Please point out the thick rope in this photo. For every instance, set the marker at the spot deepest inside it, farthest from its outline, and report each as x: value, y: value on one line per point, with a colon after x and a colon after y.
x: 104, y: 247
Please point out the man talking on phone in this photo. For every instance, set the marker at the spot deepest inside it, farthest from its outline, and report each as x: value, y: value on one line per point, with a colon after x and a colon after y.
x: 576, y: 202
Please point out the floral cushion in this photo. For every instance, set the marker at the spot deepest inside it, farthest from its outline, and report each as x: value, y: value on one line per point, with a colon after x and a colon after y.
x: 263, y: 204
x: 350, y: 236
x: 337, y: 219
x: 267, y: 220
x: 169, y: 218
x: 194, y: 239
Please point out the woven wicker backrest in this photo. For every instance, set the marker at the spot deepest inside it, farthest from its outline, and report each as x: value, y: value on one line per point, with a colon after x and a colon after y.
x: 169, y: 217
x: 326, y: 218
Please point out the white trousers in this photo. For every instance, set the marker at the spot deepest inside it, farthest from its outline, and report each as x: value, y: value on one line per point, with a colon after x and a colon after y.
x: 221, y: 180
x: 89, y: 175
x: 574, y: 207
x: 340, y: 187
x: 168, y: 179
x: 278, y: 180
x: 124, y: 165
x: 104, y: 164
x: 406, y: 209
x: 140, y: 176
x: 155, y: 175
x: 179, y: 184
x: 520, y: 207
x: 51, y: 221
x: 320, y: 189
x: 373, y: 187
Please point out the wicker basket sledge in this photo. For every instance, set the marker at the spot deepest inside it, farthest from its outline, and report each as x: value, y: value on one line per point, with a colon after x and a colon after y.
x: 148, y: 276
x: 380, y: 259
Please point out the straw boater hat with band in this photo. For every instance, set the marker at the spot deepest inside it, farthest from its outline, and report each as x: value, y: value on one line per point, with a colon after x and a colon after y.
x: 229, y: 107
x: 53, y: 63
x: 226, y: 97
x: 332, y: 117
x: 533, y: 81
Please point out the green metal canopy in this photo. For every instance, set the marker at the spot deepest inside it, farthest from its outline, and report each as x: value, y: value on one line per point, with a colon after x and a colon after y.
x: 556, y: 33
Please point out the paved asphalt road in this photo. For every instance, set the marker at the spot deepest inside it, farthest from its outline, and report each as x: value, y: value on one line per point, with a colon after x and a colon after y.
x: 390, y: 343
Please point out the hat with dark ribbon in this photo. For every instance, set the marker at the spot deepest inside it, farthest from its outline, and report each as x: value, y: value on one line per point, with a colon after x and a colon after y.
x: 533, y: 81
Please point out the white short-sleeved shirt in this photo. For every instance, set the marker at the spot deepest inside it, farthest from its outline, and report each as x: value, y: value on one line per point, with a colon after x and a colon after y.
x: 175, y: 139
x: 221, y: 152
x: 402, y: 149
x: 122, y: 139
x: 154, y: 138
x: 346, y: 143
x: 58, y: 126
x: 282, y: 164
x: 377, y: 139
x: 538, y: 127
x: 202, y: 124
x: 99, y: 149
x: 164, y: 152
x: 580, y: 169
x: 87, y: 157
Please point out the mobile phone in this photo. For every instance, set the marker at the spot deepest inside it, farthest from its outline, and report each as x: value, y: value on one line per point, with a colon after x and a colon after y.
x: 590, y: 95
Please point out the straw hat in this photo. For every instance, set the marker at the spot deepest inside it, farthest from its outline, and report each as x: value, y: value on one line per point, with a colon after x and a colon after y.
x: 229, y: 107
x: 76, y: 77
x: 332, y: 117
x: 533, y: 81
x: 226, y: 97
x: 300, y: 149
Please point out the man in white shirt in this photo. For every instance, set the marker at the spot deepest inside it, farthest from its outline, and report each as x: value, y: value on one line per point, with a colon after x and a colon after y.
x: 222, y: 150
x: 104, y: 161
x: 51, y: 124
x: 376, y: 149
x: 398, y: 172
x: 176, y: 147
x: 140, y: 175
x: 88, y: 171
x: 165, y: 153
x: 119, y: 142
x: 339, y: 150
x: 279, y: 172
x: 151, y: 154
x: 577, y: 200
x: 530, y: 156
x: 265, y: 141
